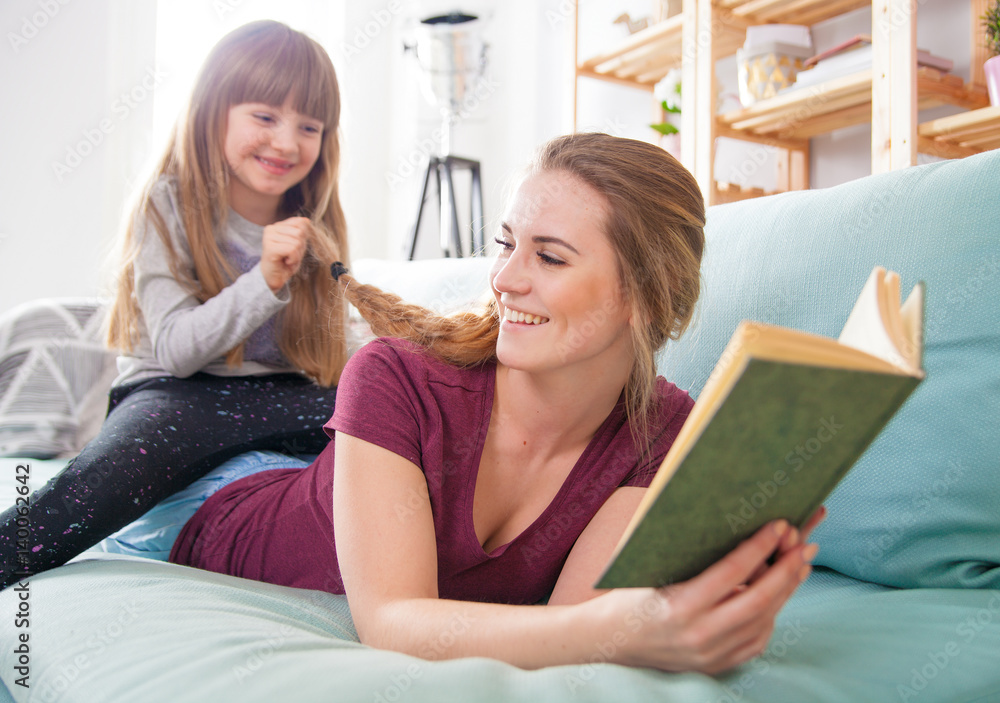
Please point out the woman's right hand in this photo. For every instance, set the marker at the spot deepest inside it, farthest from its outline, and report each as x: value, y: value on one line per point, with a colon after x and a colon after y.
x: 715, y: 621
x: 283, y: 248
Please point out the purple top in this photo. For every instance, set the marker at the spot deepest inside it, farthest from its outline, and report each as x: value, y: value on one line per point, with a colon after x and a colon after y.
x: 277, y: 526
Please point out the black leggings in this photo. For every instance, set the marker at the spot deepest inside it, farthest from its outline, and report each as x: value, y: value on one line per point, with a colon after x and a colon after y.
x: 159, y: 436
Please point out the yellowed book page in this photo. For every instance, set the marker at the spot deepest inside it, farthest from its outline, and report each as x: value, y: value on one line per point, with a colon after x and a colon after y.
x: 869, y: 327
x: 912, y: 315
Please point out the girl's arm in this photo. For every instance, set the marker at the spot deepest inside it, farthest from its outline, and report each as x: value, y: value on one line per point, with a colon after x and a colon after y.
x: 388, y: 560
x: 186, y: 335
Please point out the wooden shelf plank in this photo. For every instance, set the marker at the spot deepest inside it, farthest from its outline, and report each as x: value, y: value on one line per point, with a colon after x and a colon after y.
x: 614, y: 79
x: 731, y: 193
x: 841, y: 102
x: 814, y: 100
x: 661, y: 31
x: 946, y: 150
x: 807, y: 12
x: 975, y: 120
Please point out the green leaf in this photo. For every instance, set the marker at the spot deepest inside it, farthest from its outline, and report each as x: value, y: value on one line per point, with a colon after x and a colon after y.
x: 665, y: 128
x: 667, y: 108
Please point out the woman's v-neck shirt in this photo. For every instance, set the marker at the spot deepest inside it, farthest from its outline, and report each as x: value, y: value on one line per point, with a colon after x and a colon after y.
x: 277, y: 526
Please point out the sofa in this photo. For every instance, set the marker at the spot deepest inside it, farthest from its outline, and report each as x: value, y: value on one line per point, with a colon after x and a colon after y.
x: 904, y: 602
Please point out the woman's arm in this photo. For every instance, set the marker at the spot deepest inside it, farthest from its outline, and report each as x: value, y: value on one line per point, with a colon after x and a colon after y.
x: 387, y: 554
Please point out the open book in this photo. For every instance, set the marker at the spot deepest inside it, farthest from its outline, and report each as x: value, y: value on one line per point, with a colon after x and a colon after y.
x: 782, y: 418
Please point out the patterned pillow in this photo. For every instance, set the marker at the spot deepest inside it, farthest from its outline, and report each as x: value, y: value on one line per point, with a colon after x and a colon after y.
x: 54, y: 376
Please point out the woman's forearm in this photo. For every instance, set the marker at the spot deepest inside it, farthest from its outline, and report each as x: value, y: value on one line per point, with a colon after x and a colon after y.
x: 526, y: 636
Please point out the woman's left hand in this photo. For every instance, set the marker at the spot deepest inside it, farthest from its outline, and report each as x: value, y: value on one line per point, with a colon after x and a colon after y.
x: 791, y: 539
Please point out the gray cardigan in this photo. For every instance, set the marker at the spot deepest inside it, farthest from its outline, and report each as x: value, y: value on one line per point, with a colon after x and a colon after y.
x: 178, y: 336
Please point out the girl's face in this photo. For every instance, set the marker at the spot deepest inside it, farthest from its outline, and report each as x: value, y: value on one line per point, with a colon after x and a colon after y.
x: 269, y: 150
x: 556, y: 281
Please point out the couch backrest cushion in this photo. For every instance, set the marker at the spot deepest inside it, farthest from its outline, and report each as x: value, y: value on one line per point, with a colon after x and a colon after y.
x: 922, y: 506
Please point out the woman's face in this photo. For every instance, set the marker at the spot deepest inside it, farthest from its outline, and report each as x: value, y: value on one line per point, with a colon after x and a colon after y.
x: 269, y: 150
x: 556, y: 281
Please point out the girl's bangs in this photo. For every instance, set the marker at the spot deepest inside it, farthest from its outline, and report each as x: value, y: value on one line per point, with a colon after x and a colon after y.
x: 290, y: 66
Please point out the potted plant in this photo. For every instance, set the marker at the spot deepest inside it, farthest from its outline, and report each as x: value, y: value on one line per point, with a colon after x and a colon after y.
x: 668, y: 91
x: 991, y: 23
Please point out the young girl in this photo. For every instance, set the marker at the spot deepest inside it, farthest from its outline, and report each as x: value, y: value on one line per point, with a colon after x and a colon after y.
x: 486, y: 463
x: 225, y: 314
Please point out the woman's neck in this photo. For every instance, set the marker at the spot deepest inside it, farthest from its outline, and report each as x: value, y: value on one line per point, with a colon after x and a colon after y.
x: 556, y: 411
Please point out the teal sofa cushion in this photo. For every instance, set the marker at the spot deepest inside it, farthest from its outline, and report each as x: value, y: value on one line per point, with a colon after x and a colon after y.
x: 124, y: 629
x: 922, y: 506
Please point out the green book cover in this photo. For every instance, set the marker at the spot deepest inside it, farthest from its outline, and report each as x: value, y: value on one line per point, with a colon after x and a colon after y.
x: 781, y: 420
x: 784, y: 437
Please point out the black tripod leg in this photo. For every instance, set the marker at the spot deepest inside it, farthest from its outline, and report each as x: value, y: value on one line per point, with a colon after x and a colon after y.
x: 420, y: 207
x: 476, y: 209
x: 449, y: 208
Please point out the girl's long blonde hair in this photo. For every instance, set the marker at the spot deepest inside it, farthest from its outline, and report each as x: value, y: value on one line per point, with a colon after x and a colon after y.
x: 262, y: 62
x: 655, y: 222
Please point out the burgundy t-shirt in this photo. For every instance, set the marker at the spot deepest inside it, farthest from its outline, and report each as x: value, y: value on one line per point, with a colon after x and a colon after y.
x: 277, y: 526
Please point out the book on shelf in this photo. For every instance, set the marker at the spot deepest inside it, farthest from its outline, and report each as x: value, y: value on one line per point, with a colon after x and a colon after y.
x: 780, y: 421
x: 852, y: 56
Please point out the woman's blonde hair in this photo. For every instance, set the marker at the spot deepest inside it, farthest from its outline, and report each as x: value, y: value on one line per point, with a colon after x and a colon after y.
x: 265, y: 62
x: 655, y: 218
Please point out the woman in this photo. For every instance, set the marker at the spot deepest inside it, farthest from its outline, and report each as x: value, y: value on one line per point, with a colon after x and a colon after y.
x: 487, y: 462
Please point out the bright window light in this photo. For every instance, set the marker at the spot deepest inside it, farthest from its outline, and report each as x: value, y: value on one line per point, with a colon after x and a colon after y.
x: 186, y: 30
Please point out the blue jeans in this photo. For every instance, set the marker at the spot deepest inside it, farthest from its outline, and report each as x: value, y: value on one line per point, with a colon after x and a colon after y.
x: 153, y: 534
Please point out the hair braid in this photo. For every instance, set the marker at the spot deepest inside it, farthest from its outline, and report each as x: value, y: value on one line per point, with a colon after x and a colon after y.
x: 463, y: 339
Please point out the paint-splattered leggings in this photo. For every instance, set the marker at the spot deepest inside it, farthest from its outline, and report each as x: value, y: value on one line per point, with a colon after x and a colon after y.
x: 159, y: 436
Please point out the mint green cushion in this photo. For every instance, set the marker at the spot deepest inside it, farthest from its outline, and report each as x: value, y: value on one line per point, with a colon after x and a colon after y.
x: 120, y: 629
x: 922, y: 506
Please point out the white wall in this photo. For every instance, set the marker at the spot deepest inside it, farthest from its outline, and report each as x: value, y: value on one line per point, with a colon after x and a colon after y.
x: 71, y: 140
x: 65, y: 64
x: 55, y: 232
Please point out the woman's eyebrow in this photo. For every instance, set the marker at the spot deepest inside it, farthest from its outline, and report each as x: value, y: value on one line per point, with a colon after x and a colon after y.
x: 543, y: 239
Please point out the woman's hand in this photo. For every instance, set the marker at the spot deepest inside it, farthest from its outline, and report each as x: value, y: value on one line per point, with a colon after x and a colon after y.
x: 282, y: 250
x: 717, y: 620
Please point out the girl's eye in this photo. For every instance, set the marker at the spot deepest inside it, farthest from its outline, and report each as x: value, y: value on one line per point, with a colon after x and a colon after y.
x: 311, y: 129
x: 264, y: 118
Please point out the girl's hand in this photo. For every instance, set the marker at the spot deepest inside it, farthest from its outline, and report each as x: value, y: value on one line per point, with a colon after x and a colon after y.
x: 283, y: 248
x: 717, y: 620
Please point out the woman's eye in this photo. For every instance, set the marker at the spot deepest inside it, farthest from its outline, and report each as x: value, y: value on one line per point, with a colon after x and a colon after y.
x: 504, y: 244
x: 550, y: 260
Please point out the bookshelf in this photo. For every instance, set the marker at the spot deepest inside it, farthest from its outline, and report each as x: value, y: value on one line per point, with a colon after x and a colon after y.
x: 888, y: 95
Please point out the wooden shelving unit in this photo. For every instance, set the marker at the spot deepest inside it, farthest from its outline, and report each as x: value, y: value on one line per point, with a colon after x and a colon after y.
x: 888, y: 95
x: 842, y: 102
